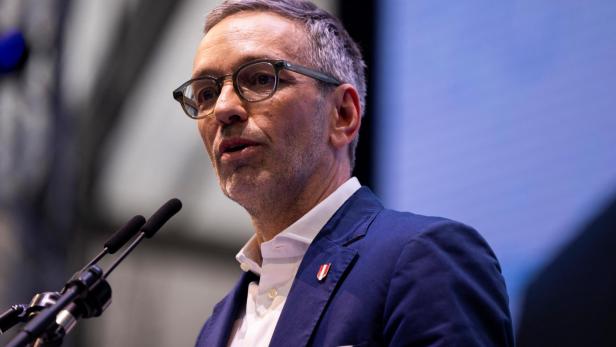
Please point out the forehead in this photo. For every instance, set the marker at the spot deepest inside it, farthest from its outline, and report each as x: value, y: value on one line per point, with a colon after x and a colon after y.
x: 245, y: 36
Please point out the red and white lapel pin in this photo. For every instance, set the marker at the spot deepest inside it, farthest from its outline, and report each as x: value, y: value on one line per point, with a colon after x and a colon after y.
x: 323, y: 270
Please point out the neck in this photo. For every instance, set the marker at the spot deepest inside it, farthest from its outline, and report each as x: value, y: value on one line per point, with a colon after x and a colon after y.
x: 292, y: 207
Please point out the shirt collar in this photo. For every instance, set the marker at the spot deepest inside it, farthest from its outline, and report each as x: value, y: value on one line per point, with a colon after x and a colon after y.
x: 303, y: 230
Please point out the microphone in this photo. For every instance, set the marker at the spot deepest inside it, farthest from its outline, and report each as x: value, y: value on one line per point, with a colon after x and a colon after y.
x: 87, y: 294
x: 119, y: 239
x: 99, y: 296
x: 156, y: 221
x: 20, y: 313
x: 160, y: 217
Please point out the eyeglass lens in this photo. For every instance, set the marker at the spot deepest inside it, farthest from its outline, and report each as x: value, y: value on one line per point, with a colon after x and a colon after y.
x: 254, y: 82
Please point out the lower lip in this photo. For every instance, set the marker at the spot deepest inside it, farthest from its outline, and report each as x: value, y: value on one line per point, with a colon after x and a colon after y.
x: 245, y: 153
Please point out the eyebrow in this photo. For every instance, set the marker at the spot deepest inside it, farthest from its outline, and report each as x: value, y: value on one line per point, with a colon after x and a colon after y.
x: 218, y: 72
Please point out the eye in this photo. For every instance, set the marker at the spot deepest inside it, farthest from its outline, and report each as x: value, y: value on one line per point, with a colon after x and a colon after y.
x: 260, y: 75
x: 205, y: 95
x: 258, y: 79
x: 264, y: 79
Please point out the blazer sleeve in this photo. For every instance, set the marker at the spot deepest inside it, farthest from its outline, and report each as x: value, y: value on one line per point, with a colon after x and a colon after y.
x: 447, y: 290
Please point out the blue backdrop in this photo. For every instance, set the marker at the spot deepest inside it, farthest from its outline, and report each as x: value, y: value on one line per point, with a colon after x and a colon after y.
x: 500, y: 115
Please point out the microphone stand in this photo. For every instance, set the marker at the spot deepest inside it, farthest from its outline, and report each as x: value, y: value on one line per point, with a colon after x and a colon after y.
x: 87, y: 294
x: 78, y: 289
x: 15, y: 314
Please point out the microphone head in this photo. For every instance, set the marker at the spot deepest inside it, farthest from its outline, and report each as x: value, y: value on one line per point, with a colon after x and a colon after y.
x: 119, y: 238
x: 161, y: 217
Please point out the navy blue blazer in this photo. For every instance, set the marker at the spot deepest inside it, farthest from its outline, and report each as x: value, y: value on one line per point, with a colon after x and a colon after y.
x: 396, y: 279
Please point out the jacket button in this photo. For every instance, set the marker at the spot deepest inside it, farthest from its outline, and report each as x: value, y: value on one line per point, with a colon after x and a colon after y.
x: 272, y: 293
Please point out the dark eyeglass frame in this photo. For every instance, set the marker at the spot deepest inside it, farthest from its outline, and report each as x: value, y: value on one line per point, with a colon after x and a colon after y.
x: 178, y: 93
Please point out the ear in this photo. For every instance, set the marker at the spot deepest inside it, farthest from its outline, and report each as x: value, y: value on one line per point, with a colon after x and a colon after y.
x: 346, y: 116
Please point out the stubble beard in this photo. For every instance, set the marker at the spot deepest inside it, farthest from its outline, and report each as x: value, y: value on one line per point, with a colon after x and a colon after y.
x: 266, y: 189
x: 274, y: 186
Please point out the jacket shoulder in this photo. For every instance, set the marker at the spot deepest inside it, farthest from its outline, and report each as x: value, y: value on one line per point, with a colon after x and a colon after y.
x: 404, y: 227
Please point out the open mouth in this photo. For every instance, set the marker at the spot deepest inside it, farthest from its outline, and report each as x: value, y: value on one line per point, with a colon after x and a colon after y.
x: 235, y: 148
x: 237, y: 145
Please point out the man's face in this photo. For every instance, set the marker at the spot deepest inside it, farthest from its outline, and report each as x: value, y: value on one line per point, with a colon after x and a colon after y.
x: 267, y: 151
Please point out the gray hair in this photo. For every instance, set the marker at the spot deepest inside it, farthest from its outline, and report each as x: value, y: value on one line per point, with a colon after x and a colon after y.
x: 331, y: 48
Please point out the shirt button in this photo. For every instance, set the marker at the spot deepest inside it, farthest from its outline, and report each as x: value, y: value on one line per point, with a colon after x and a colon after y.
x: 245, y: 267
x: 272, y: 293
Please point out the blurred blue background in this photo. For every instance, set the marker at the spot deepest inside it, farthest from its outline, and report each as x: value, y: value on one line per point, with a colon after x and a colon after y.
x: 500, y: 115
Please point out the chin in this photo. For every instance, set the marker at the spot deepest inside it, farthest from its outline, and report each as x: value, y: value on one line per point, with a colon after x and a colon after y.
x: 245, y: 188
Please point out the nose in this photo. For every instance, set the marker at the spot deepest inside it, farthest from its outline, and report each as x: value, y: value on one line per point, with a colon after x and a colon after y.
x: 229, y: 107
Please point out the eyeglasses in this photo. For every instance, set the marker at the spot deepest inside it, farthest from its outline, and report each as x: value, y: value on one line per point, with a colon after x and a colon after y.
x: 254, y: 81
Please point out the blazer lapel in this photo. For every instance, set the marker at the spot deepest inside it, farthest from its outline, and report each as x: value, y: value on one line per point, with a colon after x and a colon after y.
x: 218, y: 328
x: 309, y: 296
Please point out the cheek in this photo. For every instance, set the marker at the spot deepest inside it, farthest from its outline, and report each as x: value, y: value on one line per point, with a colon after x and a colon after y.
x: 304, y: 123
x: 292, y: 115
x: 207, y: 134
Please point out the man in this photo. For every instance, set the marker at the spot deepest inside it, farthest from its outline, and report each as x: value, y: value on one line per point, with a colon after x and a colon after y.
x: 278, y: 91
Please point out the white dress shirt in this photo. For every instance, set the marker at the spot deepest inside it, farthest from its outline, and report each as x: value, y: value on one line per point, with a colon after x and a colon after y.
x: 276, y: 262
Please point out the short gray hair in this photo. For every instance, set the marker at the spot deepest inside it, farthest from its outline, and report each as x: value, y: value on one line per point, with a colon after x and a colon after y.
x: 331, y: 48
